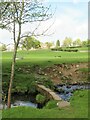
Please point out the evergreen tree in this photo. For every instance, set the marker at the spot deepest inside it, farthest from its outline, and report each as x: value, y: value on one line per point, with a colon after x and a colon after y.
x: 57, y: 43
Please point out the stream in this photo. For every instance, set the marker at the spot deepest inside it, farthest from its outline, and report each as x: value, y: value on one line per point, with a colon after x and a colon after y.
x: 64, y: 91
x: 24, y: 100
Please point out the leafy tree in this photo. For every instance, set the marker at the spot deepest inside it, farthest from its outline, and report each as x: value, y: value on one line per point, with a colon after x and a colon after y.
x: 13, y: 17
x: 3, y: 12
x: 30, y: 42
x: 36, y: 44
x: 49, y: 44
x: 67, y: 42
x: 74, y: 43
x: 84, y: 43
x: 3, y: 47
x: 77, y: 42
x: 88, y: 41
x: 57, y: 43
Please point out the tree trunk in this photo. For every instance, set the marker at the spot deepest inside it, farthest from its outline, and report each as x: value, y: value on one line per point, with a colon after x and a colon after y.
x: 13, y: 68
x: 12, y: 77
x: 16, y: 43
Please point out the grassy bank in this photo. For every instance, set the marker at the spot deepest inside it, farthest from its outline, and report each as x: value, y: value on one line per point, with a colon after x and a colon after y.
x: 30, y: 62
x: 77, y: 109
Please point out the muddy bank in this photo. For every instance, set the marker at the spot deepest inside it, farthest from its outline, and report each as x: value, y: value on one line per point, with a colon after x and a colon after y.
x: 66, y: 73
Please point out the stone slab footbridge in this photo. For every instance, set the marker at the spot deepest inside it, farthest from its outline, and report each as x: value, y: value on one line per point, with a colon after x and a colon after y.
x: 51, y: 95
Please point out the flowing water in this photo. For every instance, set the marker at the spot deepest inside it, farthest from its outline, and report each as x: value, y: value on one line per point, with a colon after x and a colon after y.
x: 66, y: 91
x: 24, y: 100
x: 21, y: 100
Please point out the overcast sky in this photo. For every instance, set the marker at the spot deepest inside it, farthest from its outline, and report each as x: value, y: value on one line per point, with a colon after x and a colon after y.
x: 70, y: 20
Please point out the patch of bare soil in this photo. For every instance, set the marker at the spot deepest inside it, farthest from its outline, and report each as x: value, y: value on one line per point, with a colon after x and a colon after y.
x: 66, y: 73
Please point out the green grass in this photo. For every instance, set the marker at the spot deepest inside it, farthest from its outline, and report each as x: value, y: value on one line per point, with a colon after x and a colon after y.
x: 43, y: 58
x: 84, y: 70
x: 83, y: 48
x: 78, y: 109
x: 24, y: 81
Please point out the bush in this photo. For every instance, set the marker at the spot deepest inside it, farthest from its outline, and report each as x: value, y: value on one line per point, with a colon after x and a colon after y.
x: 57, y: 49
x: 51, y: 104
x: 67, y: 49
x: 49, y: 84
x: 31, y: 87
x: 40, y: 98
x: 71, y: 50
x: 46, y: 82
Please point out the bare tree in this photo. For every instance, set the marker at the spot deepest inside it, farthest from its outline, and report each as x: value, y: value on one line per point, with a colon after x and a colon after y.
x: 14, y: 15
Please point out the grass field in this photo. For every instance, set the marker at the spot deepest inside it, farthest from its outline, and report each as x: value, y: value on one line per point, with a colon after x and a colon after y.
x: 43, y: 58
x: 77, y: 109
x: 83, y: 48
x: 23, y: 82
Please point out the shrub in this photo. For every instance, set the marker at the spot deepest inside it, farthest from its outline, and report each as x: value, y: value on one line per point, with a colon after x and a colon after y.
x: 40, y: 98
x: 67, y: 49
x: 51, y: 104
x: 31, y: 87
x: 71, y: 50
x: 46, y: 82
x: 49, y: 84
x: 57, y: 49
